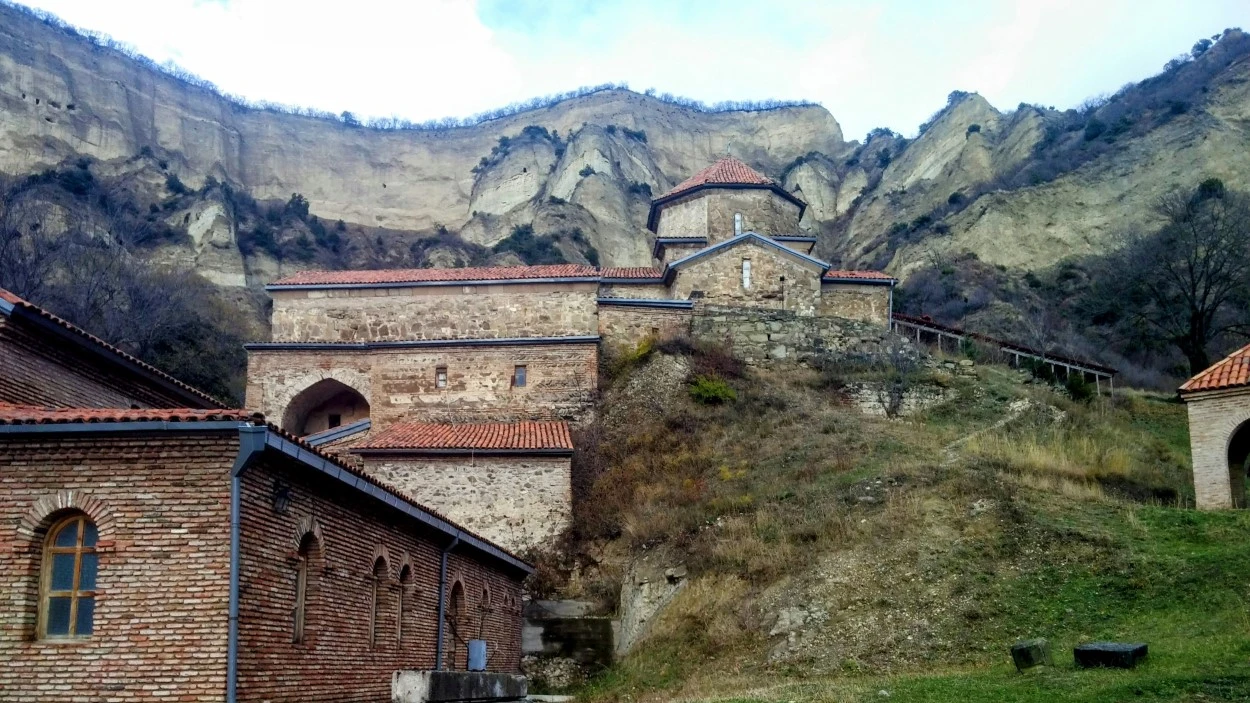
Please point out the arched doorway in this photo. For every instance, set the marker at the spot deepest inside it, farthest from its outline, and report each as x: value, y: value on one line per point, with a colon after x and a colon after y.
x: 324, y: 405
x: 1238, y: 453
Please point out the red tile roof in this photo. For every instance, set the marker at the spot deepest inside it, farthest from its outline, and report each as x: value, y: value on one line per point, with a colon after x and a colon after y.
x: 104, y: 346
x: 633, y: 272
x: 452, y: 275
x: 1230, y: 372
x: 861, y: 275
x: 726, y: 171
x: 11, y: 414
x: 510, y: 436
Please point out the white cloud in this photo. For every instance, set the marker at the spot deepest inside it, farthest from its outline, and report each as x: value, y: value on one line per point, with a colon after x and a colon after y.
x: 886, y: 64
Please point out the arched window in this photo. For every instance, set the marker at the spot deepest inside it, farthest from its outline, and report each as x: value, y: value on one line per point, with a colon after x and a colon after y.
x: 455, y: 623
x: 307, y: 546
x: 405, y: 585
x: 67, y: 592
x: 377, y: 590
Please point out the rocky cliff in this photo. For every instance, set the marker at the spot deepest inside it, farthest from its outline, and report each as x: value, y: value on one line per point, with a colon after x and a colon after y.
x: 1020, y: 188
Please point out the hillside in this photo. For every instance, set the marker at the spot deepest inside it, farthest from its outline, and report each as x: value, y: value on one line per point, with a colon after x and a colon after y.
x: 830, y: 554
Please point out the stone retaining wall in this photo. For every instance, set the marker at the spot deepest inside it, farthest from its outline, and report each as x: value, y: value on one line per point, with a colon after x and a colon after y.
x: 759, y: 336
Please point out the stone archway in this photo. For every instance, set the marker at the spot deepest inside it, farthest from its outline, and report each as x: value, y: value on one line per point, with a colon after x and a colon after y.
x: 325, y: 404
x: 1237, y: 454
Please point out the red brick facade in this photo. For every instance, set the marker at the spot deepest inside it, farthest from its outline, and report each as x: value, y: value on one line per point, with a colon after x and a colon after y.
x: 161, y: 502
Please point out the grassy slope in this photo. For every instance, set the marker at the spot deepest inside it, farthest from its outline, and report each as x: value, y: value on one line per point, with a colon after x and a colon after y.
x: 919, y: 565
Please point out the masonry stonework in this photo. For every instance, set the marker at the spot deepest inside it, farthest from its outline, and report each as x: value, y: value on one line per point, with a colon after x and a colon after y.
x: 628, y: 325
x: 758, y: 336
x: 710, y: 213
x: 779, y: 281
x: 434, y: 312
x: 1214, y: 419
x: 402, y: 383
x: 869, y: 303
x: 635, y: 291
x: 523, y: 502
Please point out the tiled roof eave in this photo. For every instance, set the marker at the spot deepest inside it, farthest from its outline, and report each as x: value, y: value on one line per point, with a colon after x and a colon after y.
x: 462, y: 451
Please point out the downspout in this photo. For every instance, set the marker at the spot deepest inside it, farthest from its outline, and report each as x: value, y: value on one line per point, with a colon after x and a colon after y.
x: 442, y: 603
x: 251, y: 444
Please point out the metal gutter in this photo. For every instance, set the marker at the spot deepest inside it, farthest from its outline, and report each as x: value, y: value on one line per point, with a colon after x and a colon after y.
x: 326, y: 436
x: 251, y: 445
x: 420, y: 343
x: 863, y: 281
x: 6, y: 308
x: 431, y: 284
x: 661, y: 242
x: 635, y: 281
x: 744, y: 237
x: 417, y: 512
x: 442, y: 602
x: 647, y: 303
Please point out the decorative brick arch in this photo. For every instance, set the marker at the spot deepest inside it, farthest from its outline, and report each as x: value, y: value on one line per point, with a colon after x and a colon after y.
x: 380, y: 552
x: 279, y: 406
x: 34, y: 523
x: 308, y: 525
x: 1215, y: 421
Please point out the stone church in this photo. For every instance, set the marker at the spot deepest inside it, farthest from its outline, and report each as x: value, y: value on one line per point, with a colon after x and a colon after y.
x: 458, y: 385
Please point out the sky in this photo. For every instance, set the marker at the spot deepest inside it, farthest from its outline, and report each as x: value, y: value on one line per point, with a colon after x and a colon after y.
x: 880, y: 64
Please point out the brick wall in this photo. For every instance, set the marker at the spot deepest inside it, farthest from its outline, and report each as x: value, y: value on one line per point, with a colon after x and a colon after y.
x: 434, y: 312
x: 162, y: 510
x: 37, y: 369
x: 336, y: 662
x: 719, y: 278
x: 629, y: 325
x: 517, y: 501
x: 760, y: 335
x: 399, y: 384
x: 867, y: 303
x: 1213, y: 420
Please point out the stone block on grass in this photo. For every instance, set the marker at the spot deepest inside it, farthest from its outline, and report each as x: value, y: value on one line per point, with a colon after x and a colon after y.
x: 1031, y: 653
x: 1117, y: 655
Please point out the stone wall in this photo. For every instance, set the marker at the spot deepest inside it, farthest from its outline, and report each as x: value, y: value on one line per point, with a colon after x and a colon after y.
x: 399, y: 383
x: 434, y: 312
x: 629, y: 325
x: 779, y: 281
x: 758, y: 336
x: 673, y: 252
x: 868, y: 303
x: 519, y: 502
x: 636, y: 291
x: 685, y: 217
x: 1213, y: 420
x: 710, y: 213
x: 763, y: 212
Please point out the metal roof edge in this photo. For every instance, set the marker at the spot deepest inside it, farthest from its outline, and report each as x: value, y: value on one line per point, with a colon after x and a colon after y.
x: 336, y: 433
x: 861, y: 281
x: 430, y: 284
x: 421, y: 343
x: 646, y: 303
x: 89, y: 427
x: 414, y: 510
x: 744, y: 237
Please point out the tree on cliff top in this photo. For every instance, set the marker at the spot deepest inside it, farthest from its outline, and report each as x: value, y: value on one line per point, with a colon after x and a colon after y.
x: 1188, y: 283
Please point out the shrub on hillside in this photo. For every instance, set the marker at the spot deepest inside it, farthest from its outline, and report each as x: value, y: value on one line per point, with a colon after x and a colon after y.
x: 587, y: 170
x: 710, y: 390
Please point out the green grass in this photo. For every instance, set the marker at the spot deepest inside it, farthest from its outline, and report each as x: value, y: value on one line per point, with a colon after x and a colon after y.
x: 768, y: 489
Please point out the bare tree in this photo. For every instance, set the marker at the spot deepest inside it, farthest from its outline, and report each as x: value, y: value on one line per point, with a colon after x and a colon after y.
x: 1188, y: 282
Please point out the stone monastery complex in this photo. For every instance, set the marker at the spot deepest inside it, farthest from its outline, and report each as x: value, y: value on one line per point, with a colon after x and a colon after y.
x: 356, y: 534
x: 456, y: 385
x: 407, y: 437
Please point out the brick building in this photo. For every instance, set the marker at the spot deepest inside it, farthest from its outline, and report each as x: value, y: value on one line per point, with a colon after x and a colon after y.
x: 1218, y: 401
x: 45, y: 360
x: 202, y: 554
x: 505, y: 346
